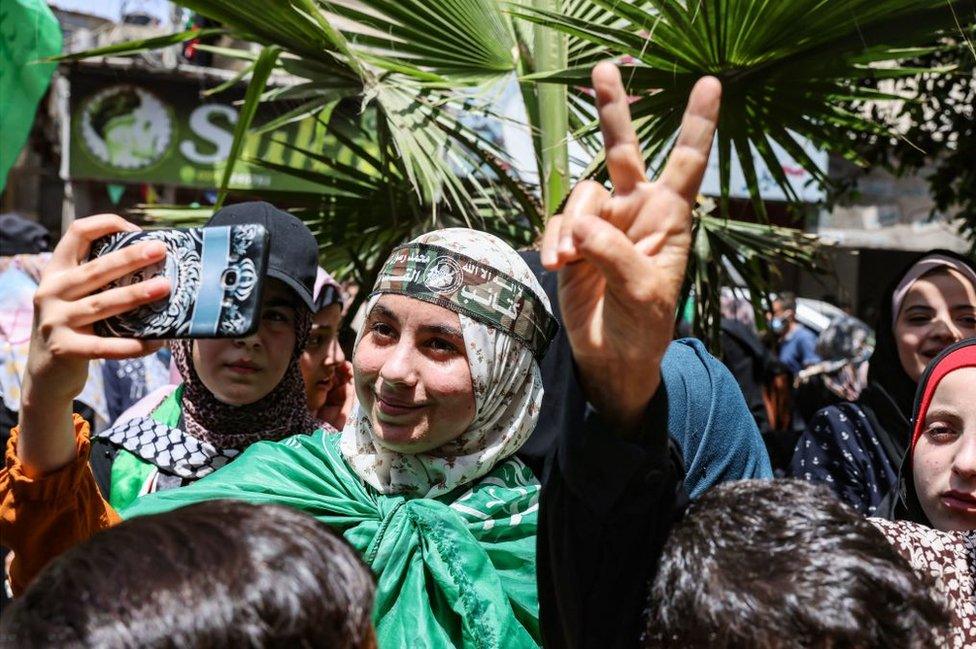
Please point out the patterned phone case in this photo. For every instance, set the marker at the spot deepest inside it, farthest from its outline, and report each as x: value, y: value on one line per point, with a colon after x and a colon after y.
x: 216, y: 276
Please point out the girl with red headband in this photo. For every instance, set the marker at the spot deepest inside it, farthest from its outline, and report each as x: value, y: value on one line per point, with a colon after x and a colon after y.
x: 933, y: 509
x: 938, y: 478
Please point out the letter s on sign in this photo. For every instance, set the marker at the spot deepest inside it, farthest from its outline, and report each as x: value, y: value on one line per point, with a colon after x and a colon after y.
x: 205, y: 129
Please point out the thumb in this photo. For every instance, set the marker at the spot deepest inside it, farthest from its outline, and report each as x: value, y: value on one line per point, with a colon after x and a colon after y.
x: 609, y: 249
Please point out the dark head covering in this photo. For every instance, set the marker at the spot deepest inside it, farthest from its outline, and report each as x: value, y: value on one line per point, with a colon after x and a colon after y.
x: 293, y: 257
x: 903, y: 504
x: 888, y: 398
x: 283, y: 412
x: 21, y: 236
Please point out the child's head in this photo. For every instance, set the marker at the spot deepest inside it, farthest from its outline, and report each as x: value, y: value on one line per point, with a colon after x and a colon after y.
x: 239, y: 391
x: 782, y: 563
x: 322, y: 357
x: 214, y: 574
x: 943, y: 456
x: 243, y: 371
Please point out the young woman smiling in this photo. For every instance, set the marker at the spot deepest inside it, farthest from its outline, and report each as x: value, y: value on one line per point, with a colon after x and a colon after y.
x: 420, y: 480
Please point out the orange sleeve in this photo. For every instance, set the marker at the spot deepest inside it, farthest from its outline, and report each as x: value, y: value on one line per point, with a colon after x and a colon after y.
x: 42, y: 517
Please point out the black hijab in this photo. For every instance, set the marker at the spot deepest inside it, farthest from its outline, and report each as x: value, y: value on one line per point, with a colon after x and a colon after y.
x: 887, y: 400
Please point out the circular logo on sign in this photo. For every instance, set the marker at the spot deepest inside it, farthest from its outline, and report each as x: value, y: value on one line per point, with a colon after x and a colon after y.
x: 126, y: 127
x: 443, y: 275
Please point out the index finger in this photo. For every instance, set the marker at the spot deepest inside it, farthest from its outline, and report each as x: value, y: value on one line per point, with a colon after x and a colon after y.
x: 76, y: 242
x: 686, y: 165
x: 625, y: 163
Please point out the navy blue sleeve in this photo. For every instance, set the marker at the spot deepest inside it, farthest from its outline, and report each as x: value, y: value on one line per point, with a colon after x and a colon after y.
x: 808, y: 350
x: 606, y: 508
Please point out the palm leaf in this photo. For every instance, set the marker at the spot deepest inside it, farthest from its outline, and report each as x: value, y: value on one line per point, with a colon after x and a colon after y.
x: 770, y: 56
x: 262, y: 70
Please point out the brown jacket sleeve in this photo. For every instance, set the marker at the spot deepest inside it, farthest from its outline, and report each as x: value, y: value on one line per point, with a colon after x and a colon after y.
x: 42, y: 517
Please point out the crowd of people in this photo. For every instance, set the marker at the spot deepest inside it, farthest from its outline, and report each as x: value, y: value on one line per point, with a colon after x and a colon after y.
x: 514, y: 451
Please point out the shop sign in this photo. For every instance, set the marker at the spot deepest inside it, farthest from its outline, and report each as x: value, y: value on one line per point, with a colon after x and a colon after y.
x: 166, y: 134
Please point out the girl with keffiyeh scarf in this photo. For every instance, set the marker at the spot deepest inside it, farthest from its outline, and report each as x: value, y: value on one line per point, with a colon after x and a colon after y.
x: 233, y: 392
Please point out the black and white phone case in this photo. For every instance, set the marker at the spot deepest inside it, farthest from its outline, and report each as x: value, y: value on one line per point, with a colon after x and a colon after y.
x: 216, y: 278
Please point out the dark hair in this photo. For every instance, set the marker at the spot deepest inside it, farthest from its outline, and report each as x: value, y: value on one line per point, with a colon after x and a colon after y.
x: 787, y: 300
x: 758, y: 564
x: 215, y: 574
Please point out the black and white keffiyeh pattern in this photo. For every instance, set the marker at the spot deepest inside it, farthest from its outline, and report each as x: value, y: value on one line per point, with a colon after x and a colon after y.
x: 170, y: 449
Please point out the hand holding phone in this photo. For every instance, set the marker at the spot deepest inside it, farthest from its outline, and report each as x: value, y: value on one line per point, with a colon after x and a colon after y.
x: 216, y: 278
x: 63, y: 338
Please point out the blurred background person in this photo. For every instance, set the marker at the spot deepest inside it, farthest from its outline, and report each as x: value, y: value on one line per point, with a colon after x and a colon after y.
x: 326, y: 371
x: 129, y: 380
x: 845, y: 347
x: 797, y: 345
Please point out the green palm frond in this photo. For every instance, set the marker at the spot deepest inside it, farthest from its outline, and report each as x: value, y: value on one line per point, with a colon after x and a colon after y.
x: 789, y: 70
x: 396, y: 84
x: 366, y: 204
x: 728, y: 253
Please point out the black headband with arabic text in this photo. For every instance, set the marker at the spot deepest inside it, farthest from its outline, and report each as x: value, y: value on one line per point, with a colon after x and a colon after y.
x: 463, y: 285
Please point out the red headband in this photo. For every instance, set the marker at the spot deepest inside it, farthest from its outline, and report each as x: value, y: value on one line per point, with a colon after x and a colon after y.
x: 956, y: 358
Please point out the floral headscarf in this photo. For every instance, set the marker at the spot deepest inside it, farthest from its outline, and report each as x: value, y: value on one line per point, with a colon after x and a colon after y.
x: 505, y: 377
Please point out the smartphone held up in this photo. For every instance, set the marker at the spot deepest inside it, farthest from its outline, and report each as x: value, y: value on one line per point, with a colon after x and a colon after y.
x: 216, y: 279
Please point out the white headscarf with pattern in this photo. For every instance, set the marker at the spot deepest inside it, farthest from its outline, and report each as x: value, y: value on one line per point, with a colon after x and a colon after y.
x: 507, y: 387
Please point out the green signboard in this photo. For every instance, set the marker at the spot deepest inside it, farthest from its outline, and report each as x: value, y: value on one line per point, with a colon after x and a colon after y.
x: 163, y: 132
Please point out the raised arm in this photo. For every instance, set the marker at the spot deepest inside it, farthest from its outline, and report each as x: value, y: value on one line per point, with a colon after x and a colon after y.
x: 622, y: 255
x: 48, y: 497
x: 62, y: 342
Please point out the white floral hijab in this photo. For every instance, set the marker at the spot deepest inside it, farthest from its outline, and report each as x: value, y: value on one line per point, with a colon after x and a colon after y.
x: 507, y: 389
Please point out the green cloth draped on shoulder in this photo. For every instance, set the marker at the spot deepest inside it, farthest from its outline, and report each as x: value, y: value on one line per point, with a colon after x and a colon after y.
x: 452, y: 571
x: 129, y: 471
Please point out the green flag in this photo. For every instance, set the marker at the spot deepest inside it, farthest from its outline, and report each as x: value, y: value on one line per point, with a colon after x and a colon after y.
x: 28, y: 32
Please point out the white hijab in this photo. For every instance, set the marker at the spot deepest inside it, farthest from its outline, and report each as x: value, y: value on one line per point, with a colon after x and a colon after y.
x: 507, y: 387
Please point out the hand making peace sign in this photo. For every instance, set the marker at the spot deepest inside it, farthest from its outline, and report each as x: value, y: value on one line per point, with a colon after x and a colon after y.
x: 622, y: 256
